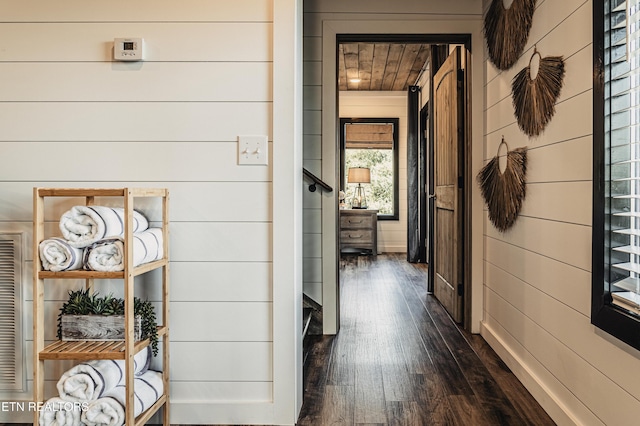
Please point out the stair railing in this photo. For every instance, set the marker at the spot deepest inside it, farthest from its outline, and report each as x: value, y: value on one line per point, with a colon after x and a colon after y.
x: 315, y: 180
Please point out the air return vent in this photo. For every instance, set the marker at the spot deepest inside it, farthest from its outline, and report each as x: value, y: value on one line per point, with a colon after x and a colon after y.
x: 11, y: 338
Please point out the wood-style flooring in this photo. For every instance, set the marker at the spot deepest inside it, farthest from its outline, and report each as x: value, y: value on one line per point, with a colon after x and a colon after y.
x: 400, y: 360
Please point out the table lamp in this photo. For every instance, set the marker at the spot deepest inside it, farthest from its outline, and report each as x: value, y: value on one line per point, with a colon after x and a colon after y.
x: 359, y: 175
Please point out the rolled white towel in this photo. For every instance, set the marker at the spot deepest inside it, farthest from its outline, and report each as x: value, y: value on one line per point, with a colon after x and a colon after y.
x: 91, y: 380
x: 103, y: 412
x: 58, y: 412
x: 56, y: 254
x: 108, y: 255
x: 84, y: 225
x: 148, y: 388
x: 109, y: 411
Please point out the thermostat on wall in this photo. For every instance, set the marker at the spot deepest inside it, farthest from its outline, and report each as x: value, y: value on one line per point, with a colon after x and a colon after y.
x: 128, y: 49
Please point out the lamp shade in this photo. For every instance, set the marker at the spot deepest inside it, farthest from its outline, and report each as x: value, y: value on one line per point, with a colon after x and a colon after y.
x: 359, y: 175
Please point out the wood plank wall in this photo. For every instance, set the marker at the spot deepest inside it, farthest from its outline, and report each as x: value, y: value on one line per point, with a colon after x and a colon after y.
x: 69, y: 117
x: 538, y: 274
x: 392, y: 234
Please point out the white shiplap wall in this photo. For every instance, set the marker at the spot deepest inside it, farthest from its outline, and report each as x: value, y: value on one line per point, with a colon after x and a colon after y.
x: 538, y: 274
x: 392, y: 234
x: 312, y: 161
x: 71, y: 117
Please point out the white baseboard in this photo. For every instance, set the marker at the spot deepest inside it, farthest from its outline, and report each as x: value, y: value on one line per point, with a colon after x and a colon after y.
x: 192, y: 412
x: 556, y: 409
x: 202, y: 412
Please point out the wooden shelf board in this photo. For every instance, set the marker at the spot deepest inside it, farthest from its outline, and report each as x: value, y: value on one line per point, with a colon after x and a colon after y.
x: 83, y: 275
x: 146, y: 267
x: 144, y: 417
x: 44, y: 275
x: 162, y: 330
x: 101, y: 192
x: 86, y: 350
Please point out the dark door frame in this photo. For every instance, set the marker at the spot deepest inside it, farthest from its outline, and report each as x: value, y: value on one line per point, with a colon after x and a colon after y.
x: 466, y: 178
x: 424, y: 141
x: 427, y: 26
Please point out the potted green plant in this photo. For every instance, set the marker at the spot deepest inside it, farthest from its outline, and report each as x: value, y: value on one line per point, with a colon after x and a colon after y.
x: 88, y: 316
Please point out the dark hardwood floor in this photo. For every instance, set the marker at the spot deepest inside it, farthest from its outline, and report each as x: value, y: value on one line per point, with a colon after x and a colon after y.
x: 400, y: 360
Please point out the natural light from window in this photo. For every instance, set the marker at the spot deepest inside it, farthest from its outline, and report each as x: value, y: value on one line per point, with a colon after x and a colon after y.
x: 622, y: 134
x: 372, y: 145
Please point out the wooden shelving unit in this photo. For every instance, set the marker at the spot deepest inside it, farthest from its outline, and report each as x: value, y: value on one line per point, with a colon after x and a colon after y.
x: 90, y: 350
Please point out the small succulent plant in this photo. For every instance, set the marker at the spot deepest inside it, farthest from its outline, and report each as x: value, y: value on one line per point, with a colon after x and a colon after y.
x: 83, y: 302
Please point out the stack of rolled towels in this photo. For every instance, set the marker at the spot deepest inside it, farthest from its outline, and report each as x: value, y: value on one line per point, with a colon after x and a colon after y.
x: 93, y: 240
x: 93, y: 393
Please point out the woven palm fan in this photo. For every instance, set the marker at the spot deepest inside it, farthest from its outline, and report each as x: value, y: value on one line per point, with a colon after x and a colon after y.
x: 534, y: 99
x: 504, y: 191
x: 507, y: 30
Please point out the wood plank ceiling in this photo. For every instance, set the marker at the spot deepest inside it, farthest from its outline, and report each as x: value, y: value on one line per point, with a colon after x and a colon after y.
x: 380, y: 66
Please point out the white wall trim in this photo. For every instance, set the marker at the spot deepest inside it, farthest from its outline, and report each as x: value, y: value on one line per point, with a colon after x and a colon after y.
x: 330, y: 29
x: 287, y: 211
x: 558, y: 411
x: 232, y: 413
x: 330, y: 252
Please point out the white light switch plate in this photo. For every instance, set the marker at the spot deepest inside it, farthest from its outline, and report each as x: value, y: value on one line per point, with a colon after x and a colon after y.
x: 253, y: 150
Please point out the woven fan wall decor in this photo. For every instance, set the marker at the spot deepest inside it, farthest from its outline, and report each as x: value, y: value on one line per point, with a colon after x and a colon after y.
x: 534, y: 99
x: 507, y: 30
x: 504, y: 192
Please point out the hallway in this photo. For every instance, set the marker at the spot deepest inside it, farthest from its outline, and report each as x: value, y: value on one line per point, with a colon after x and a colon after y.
x: 400, y: 360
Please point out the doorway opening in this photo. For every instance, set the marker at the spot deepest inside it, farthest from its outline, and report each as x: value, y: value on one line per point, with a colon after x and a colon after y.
x: 400, y: 69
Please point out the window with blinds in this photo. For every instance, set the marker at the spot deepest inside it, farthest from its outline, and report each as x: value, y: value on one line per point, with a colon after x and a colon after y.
x: 615, y: 305
x: 372, y: 143
x: 622, y: 136
x: 368, y: 136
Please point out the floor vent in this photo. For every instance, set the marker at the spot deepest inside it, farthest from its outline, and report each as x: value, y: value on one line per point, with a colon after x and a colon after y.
x: 11, y: 338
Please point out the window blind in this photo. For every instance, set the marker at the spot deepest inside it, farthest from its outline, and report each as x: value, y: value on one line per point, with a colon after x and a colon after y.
x: 369, y: 136
x: 622, y: 138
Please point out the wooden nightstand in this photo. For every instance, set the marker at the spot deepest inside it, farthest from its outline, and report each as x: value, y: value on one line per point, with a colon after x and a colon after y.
x: 359, y: 229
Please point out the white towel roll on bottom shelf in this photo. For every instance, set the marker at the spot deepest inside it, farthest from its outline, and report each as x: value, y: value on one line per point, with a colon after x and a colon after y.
x: 108, y: 411
x: 58, y: 412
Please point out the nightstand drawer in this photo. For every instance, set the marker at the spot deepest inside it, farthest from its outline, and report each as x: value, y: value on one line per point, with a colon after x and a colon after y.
x: 356, y: 221
x: 356, y: 236
x: 359, y: 230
